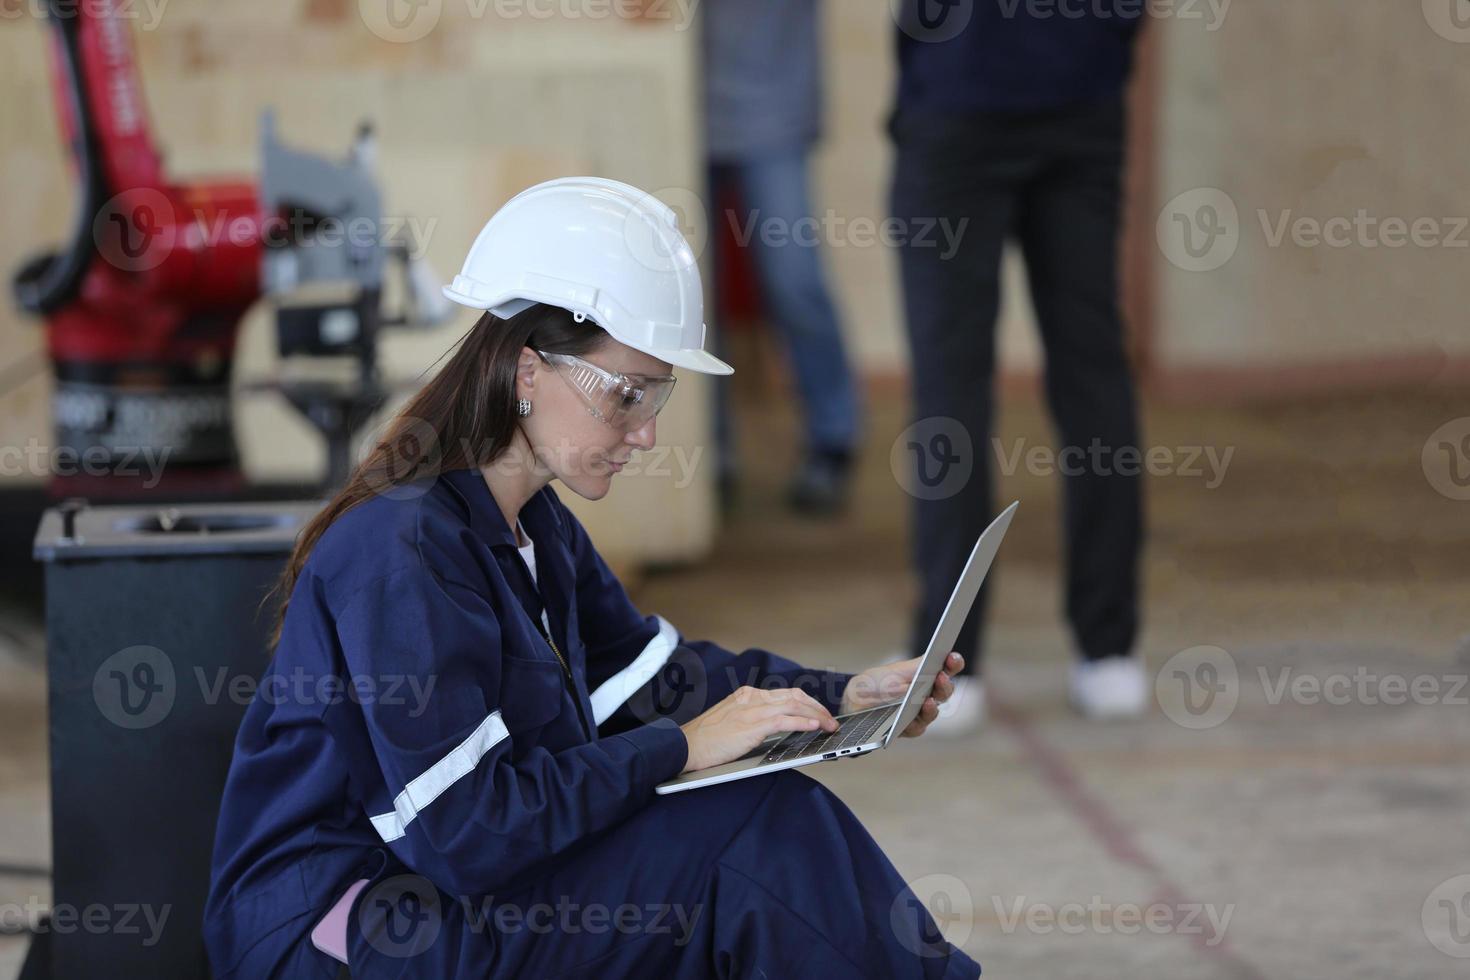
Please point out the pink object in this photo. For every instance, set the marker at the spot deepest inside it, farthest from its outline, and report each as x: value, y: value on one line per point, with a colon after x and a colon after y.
x: 330, y: 934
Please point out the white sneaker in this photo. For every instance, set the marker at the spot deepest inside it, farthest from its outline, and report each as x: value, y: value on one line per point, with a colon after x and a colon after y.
x: 1114, y: 687
x: 963, y: 713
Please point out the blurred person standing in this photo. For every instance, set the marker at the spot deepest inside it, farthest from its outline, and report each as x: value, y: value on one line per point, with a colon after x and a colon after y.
x: 1010, y: 118
x: 763, y: 112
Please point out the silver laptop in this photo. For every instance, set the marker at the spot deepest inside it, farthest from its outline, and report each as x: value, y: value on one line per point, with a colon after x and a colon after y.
x: 872, y: 728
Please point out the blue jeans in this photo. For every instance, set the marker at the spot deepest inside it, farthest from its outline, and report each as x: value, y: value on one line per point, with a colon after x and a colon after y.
x: 774, y: 221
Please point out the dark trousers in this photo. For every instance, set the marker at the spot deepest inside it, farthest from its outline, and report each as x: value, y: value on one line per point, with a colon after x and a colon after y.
x: 764, y: 877
x: 767, y: 877
x: 1051, y: 180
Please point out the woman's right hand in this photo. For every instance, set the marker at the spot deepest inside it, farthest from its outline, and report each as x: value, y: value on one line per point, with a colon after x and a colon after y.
x: 743, y: 720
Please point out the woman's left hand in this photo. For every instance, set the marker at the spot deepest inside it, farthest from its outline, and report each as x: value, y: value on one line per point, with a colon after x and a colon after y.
x: 888, y: 682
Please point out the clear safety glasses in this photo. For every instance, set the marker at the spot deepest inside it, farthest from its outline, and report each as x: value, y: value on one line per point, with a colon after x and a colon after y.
x: 626, y: 401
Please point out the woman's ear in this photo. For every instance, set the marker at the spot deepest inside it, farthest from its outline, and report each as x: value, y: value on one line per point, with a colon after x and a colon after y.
x: 526, y: 373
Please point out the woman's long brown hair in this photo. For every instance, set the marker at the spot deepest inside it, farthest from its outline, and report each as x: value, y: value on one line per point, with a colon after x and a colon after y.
x: 465, y: 416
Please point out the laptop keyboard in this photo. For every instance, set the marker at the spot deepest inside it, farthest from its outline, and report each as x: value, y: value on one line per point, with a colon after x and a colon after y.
x: 855, y: 730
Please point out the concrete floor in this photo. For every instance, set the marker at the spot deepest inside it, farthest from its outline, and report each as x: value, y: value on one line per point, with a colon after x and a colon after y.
x: 1329, y: 834
x: 1320, y: 830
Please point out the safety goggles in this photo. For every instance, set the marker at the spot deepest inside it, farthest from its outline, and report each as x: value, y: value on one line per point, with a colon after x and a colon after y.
x: 625, y: 401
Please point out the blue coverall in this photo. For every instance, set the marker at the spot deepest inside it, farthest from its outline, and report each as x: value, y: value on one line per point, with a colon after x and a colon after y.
x: 415, y: 729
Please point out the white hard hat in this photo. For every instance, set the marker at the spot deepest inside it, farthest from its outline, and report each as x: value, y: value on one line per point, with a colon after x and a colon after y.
x: 600, y: 248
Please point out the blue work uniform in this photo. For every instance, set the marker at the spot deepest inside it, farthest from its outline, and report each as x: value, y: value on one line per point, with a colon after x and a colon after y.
x: 495, y: 786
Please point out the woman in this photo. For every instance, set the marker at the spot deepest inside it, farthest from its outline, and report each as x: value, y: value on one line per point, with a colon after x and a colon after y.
x: 449, y: 768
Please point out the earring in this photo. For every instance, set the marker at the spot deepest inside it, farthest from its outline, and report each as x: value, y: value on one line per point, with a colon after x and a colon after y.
x: 523, y: 407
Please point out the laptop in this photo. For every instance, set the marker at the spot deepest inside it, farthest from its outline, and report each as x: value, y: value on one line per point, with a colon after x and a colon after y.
x: 872, y: 728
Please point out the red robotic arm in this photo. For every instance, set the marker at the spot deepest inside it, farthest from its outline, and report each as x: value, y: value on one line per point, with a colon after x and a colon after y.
x: 143, y: 304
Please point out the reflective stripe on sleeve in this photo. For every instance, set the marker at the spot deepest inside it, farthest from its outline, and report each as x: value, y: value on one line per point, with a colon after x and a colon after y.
x: 427, y: 786
x: 611, y: 693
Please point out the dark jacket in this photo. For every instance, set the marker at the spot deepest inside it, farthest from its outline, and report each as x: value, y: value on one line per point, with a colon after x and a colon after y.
x: 961, y: 56
x: 413, y: 705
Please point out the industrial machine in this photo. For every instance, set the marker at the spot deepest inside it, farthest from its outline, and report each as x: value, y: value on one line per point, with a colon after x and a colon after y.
x: 143, y: 302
